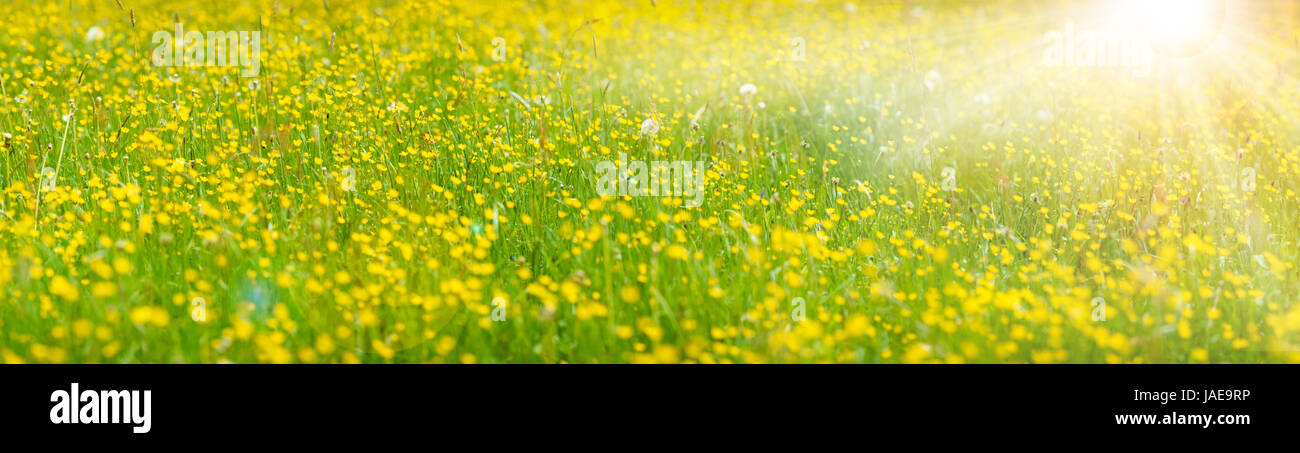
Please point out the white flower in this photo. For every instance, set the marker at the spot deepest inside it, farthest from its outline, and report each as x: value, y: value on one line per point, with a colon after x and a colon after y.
x: 649, y: 127
x: 932, y: 79
x: 748, y: 89
x: 982, y: 99
x: 94, y: 34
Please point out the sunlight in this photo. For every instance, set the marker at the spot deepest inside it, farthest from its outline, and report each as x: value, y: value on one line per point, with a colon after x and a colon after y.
x: 1178, y: 27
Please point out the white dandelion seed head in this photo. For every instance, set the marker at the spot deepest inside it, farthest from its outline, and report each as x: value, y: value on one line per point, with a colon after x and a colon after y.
x: 932, y: 79
x: 748, y: 89
x: 95, y: 34
x: 649, y: 127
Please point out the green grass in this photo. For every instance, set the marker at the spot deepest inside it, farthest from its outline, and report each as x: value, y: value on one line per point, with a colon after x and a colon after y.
x: 1070, y: 186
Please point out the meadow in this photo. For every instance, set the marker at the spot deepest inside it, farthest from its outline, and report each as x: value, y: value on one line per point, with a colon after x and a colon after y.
x: 885, y: 182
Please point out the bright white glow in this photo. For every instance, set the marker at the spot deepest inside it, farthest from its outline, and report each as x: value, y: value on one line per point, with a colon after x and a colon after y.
x: 1176, y: 20
x: 1181, y: 26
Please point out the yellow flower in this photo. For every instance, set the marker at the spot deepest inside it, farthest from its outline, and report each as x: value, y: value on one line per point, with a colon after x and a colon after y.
x: 60, y: 286
x: 630, y: 294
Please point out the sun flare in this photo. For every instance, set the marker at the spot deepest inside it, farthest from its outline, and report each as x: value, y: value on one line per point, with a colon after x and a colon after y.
x: 1176, y: 26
